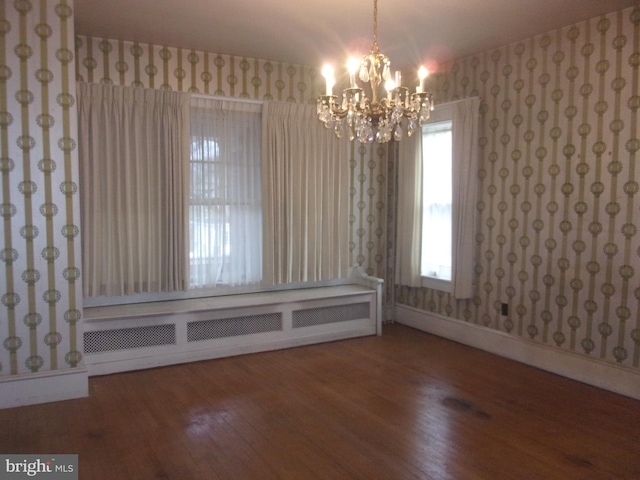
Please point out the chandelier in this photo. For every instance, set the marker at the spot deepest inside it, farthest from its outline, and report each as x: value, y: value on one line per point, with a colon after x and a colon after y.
x: 370, y: 119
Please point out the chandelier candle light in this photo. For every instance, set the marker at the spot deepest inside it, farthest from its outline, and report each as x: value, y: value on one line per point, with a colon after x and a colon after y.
x: 370, y: 119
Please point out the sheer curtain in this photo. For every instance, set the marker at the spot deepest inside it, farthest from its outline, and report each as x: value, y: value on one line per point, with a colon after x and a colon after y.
x: 306, y: 182
x: 225, y: 198
x: 133, y: 151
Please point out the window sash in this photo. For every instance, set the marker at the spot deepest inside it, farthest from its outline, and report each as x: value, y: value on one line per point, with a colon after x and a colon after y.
x: 225, y: 199
x: 436, y: 250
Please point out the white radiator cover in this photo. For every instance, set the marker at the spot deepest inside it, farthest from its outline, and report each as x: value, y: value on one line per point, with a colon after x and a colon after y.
x: 131, y: 337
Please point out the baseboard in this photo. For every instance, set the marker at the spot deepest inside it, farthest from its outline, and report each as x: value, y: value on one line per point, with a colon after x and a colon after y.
x: 591, y: 371
x: 31, y: 389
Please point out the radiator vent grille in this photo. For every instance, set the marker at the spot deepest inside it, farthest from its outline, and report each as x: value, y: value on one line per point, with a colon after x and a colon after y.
x: 129, y: 338
x: 233, y: 327
x: 334, y: 314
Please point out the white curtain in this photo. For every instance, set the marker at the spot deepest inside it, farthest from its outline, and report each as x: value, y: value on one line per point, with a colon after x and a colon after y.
x: 409, y: 222
x: 133, y: 151
x: 225, y: 221
x: 465, y: 115
x: 306, y: 195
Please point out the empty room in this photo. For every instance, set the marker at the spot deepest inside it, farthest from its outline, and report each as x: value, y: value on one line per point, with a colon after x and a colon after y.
x: 364, y: 239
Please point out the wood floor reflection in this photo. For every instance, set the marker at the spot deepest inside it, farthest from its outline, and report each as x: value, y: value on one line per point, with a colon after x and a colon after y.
x: 405, y: 405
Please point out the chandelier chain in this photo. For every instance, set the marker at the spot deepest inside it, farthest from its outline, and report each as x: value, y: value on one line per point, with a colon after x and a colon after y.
x: 374, y: 48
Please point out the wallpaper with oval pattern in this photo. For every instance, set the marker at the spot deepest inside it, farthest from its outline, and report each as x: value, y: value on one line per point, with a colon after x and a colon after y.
x: 135, y: 64
x: 40, y: 294
x: 558, y: 214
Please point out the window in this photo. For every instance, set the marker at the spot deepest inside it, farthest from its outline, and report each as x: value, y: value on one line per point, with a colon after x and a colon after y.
x: 225, y: 195
x: 438, y: 172
x: 174, y: 205
x: 437, y: 195
x: 208, y: 209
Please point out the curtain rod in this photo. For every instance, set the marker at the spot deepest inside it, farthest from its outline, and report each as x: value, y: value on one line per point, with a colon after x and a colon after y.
x: 195, y: 95
x: 444, y: 104
x: 232, y: 99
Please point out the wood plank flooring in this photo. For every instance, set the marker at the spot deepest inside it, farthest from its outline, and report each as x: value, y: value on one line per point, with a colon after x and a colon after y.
x: 406, y: 405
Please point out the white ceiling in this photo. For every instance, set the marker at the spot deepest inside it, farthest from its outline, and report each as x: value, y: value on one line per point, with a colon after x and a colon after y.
x: 313, y: 32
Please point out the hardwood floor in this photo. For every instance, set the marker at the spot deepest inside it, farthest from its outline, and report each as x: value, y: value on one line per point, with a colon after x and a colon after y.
x: 406, y: 405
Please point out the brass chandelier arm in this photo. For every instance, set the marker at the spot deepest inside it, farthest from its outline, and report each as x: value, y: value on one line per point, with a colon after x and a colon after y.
x: 354, y: 101
x: 330, y: 102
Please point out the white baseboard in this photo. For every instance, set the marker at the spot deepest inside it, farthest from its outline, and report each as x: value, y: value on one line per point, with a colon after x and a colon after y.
x: 31, y: 389
x: 592, y: 371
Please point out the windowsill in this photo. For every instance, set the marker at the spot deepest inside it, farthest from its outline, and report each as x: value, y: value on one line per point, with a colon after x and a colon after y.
x: 437, y: 284
x: 205, y: 293
x: 221, y: 302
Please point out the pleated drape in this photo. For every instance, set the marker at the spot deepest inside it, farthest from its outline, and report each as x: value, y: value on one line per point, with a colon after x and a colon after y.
x: 306, y: 195
x: 134, y: 157
x: 409, y: 211
x: 465, y: 115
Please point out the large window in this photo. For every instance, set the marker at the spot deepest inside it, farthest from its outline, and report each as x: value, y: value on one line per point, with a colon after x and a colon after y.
x: 179, y: 197
x: 437, y: 197
x: 225, y: 195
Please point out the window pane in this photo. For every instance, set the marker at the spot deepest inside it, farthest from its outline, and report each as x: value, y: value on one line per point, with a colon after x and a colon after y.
x: 437, y: 198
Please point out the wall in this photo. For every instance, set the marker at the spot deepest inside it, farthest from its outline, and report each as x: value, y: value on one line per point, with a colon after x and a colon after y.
x: 170, y: 67
x: 40, y: 315
x: 41, y: 319
x: 558, y: 214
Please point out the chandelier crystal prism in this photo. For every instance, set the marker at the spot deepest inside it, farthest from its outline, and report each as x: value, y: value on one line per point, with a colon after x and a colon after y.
x: 371, y: 119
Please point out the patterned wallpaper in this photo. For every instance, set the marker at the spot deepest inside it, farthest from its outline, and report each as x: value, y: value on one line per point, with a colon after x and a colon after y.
x: 370, y: 235
x: 171, y: 68
x: 557, y: 238
x: 40, y: 295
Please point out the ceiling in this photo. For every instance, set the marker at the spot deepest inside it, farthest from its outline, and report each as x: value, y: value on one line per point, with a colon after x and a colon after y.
x: 313, y: 32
